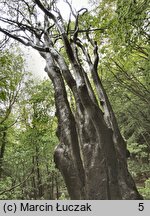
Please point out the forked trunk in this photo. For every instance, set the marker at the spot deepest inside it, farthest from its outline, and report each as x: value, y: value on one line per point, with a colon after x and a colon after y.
x: 89, y: 156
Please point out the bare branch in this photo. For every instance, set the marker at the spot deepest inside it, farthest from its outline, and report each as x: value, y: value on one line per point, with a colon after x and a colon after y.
x: 48, y: 13
x: 15, y: 37
x: 4, y: 41
x: 71, y: 9
x: 68, y: 26
x: 28, y: 43
x: 85, y: 52
x: 83, y: 9
x: 23, y: 27
x: 96, y: 56
x: 88, y: 37
x: 21, y: 183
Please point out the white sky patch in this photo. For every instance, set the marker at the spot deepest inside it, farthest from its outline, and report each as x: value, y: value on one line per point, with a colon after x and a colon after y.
x: 76, y: 4
x: 34, y: 62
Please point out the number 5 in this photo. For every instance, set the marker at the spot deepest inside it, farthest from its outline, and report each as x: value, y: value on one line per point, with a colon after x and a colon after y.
x: 141, y: 206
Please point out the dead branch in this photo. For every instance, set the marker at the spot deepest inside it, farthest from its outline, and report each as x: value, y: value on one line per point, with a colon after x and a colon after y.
x: 18, y: 185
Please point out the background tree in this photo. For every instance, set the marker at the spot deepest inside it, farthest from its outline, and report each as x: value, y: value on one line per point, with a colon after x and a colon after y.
x: 11, y: 78
x: 29, y: 171
x: 92, y: 152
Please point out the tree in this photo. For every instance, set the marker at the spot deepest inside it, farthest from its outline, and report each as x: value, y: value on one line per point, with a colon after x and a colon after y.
x: 91, y: 154
x: 38, y: 140
x: 29, y: 170
x: 11, y: 79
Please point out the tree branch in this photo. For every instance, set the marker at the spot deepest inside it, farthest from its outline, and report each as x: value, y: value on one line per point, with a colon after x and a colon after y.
x: 48, y: 13
x: 12, y: 188
x: 29, y: 43
x: 96, y: 56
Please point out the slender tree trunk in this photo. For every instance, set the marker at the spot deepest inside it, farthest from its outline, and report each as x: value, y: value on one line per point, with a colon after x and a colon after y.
x: 2, y: 151
x: 58, y: 192
x: 38, y: 174
x: 34, y: 185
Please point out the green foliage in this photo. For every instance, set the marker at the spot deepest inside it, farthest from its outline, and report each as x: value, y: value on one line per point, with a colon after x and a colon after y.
x: 145, y: 191
x: 133, y: 19
x: 141, y: 175
x: 11, y: 81
x: 28, y: 171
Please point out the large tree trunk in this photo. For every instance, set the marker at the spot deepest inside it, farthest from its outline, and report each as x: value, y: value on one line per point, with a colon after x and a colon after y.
x: 91, y: 154
x: 93, y: 162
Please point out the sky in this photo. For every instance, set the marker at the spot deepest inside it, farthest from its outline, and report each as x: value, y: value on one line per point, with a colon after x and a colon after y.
x: 34, y: 62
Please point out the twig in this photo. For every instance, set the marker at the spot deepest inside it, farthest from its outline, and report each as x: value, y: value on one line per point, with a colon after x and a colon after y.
x: 10, y: 189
